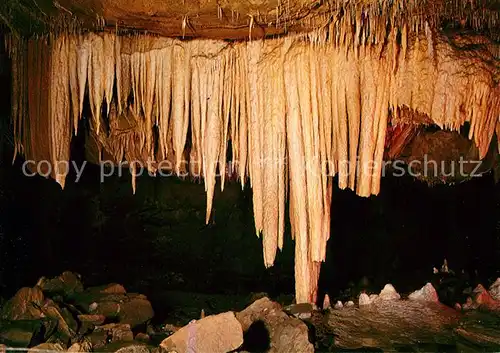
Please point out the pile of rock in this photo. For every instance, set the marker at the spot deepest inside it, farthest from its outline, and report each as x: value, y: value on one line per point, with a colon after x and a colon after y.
x: 59, y: 314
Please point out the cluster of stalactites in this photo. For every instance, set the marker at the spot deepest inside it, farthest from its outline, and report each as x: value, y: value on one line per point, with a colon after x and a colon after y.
x: 295, y: 111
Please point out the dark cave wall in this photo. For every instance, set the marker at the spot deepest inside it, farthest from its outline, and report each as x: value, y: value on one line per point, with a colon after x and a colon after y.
x: 409, y: 228
x: 158, y: 239
x: 155, y: 239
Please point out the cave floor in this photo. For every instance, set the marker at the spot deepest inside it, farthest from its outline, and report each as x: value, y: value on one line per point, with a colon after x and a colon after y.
x: 395, y: 326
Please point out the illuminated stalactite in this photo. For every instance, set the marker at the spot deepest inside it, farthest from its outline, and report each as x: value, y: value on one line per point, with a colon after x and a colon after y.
x: 297, y: 111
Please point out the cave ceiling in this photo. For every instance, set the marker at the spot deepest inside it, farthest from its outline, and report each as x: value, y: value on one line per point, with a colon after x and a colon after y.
x: 240, y: 19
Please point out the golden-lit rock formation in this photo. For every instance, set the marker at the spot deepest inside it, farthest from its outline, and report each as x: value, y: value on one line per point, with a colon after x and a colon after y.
x: 295, y: 110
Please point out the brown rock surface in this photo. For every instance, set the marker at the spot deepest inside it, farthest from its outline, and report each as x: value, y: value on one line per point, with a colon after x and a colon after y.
x: 24, y: 305
x: 286, y: 334
x: 207, y: 18
x: 213, y: 334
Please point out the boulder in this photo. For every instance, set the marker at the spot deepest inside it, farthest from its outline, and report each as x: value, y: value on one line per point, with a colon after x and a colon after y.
x: 88, y: 322
x: 95, y: 320
x: 66, y: 285
x: 135, y: 312
x: 83, y: 346
x: 284, y: 334
x: 107, y: 308
x: 112, y: 288
x: 301, y: 311
x: 213, y: 334
x: 24, y: 305
x: 117, y: 332
x: 47, y: 347
x: 66, y: 324
x: 21, y: 333
x: 98, y: 339
x: 258, y: 311
x: 256, y: 296
x: 142, y: 337
x: 133, y: 309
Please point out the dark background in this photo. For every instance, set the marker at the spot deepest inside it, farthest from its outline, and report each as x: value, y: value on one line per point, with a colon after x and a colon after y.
x: 157, y: 239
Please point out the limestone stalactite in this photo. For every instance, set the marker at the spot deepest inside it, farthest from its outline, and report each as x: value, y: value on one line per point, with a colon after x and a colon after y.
x: 296, y: 112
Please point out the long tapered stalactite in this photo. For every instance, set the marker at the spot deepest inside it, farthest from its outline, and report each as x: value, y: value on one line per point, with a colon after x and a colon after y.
x: 294, y: 112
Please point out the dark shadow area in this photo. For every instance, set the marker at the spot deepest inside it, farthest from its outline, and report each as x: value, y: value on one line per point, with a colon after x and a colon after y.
x: 256, y: 338
x: 399, y: 236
